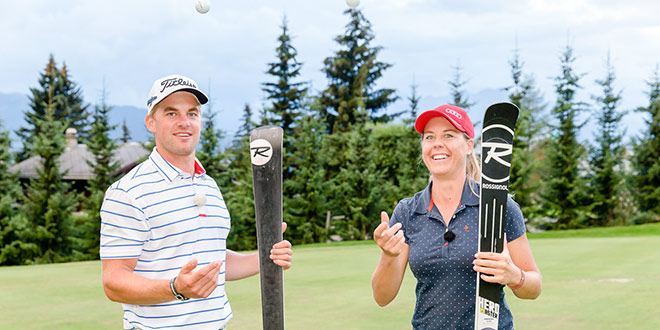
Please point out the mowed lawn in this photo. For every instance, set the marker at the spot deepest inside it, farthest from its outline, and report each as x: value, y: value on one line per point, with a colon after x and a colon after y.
x: 592, y: 282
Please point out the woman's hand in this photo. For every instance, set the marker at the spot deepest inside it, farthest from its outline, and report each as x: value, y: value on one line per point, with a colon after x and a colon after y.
x: 497, y: 267
x: 390, y: 240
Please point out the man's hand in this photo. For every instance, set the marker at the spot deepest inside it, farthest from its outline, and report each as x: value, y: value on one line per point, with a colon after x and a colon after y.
x: 281, y: 252
x: 198, y: 284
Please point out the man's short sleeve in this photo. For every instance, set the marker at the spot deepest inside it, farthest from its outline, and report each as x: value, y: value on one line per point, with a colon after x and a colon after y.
x: 124, y: 227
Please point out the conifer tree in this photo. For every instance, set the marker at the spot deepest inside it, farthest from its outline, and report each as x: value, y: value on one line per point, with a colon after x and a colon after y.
x: 646, y: 160
x: 49, y: 203
x: 103, y: 166
x: 565, y: 184
x: 358, y: 186
x: 305, y: 197
x: 103, y: 148
x: 12, y: 247
x: 393, y: 143
x: 285, y: 95
x: 209, y: 153
x: 351, y: 96
x: 238, y: 194
x: 413, y: 100
x: 459, y: 98
x: 125, y: 133
x: 69, y: 108
x: 606, y: 157
x: 524, y: 166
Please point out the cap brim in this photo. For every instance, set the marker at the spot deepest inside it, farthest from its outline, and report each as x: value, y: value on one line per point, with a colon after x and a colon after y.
x: 201, y: 97
x: 424, y: 118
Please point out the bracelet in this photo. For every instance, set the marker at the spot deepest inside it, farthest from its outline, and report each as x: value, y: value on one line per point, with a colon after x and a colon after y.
x: 176, y: 294
x: 520, y: 284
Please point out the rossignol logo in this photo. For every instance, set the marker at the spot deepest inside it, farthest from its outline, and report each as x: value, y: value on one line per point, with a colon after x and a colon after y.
x: 495, y: 186
x: 167, y: 83
x: 453, y: 113
x: 260, y: 151
x: 498, y: 150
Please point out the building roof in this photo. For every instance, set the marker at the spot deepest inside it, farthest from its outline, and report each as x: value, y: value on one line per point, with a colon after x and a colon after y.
x: 73, y: 161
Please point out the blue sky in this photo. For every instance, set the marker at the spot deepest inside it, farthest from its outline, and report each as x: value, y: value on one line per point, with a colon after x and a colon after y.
x: 126, y: 45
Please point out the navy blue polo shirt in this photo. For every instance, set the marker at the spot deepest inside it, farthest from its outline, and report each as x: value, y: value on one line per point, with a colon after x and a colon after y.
x: 446, y: 282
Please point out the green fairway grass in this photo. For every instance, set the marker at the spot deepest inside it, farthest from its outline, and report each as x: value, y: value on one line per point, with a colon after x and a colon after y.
x: 604, y: 281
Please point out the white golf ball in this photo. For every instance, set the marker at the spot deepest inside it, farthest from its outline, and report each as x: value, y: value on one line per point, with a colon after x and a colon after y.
x: 353, y: 3
x: 203, y: 6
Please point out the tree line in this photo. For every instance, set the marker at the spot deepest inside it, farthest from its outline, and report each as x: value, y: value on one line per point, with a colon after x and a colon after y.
x: 346, y: 157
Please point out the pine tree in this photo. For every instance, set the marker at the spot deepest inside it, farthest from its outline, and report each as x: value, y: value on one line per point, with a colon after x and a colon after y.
x: 646, y: 160
x: 524, y: 166
x: 237, y: 193
x: 413, y: 105
x: 459, y: 98
x: 566, y: 187
x: 49, y: 203
x: 286, y: 96
x: 305, y: 199
x: 70, y: 108
x: 104, y: 166
x: 358, y: 186
x: 394, y: 143
x: 209, y: 153
x: 13, y: 250
x: 125, y: 133
x: 606, y: 157
x: 351, y: 96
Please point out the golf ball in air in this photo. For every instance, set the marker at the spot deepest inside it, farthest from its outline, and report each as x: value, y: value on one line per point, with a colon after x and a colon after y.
x: 203, y: 6
x: 353, y: 3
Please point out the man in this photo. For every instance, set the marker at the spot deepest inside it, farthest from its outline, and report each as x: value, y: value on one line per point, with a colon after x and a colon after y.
x: 164, y: 226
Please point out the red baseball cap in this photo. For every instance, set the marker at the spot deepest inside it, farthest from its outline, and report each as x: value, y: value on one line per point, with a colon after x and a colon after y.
x: 456, y: 116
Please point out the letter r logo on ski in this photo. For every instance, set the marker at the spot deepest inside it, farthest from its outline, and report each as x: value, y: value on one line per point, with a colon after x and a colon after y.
x: 260, y: 151
x: 498, y: 149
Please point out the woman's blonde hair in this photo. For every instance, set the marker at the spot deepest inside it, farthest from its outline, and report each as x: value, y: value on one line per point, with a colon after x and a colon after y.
x: 473, y: 171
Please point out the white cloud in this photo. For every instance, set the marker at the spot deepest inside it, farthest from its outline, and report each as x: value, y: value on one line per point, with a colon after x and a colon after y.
x: 131, y: 43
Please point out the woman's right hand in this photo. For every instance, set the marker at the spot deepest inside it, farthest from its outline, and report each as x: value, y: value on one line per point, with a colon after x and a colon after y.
x: 390, y: 240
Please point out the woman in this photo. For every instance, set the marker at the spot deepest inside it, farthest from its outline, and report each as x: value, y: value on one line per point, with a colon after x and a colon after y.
x: 445, y: 265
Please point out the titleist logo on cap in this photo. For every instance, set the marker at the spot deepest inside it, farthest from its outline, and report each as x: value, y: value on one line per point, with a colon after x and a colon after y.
x: 176, y: 82
x: 165, y: 86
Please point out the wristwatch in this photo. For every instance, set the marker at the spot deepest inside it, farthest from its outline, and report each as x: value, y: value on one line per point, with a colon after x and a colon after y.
x: 176, y: 294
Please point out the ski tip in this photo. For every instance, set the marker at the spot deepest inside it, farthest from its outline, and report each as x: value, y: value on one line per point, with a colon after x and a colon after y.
x: 269, y: 130
x: 503, y: 110
x: 496, y: 104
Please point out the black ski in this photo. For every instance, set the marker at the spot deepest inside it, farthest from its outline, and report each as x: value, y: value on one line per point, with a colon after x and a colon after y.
x: 496, y: 146
x: 266, y: 156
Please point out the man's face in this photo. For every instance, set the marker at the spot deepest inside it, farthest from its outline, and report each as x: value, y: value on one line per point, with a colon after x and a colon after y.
x: 176, y: 124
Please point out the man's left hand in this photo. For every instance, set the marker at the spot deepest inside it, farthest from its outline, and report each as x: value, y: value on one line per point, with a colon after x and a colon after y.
x: 281, y: 252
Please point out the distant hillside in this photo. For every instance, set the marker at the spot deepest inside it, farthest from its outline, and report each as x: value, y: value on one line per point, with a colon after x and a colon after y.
x: 13, y: 107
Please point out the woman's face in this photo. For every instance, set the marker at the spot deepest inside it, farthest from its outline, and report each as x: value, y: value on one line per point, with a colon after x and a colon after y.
x: 445, y: 148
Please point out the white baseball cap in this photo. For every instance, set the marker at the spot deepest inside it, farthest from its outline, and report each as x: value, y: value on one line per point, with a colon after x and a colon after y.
x: 165, y: 86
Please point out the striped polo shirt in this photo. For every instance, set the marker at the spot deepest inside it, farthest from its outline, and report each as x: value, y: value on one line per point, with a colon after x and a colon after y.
x: 151, y: 214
